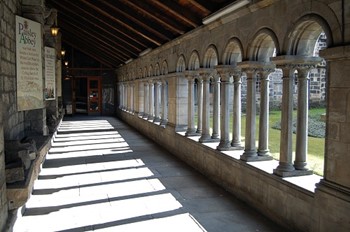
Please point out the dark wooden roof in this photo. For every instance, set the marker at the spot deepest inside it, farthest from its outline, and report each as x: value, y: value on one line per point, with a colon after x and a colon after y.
x: 114, y: 31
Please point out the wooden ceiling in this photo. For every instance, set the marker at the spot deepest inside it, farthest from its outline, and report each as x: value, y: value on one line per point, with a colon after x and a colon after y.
x: 115, y: 31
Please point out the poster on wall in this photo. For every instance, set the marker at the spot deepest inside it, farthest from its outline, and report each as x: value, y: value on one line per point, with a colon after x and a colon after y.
x: 50, y: 71
x: 29, y: 64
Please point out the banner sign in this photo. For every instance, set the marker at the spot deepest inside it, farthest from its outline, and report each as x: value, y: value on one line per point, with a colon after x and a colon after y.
x: 50, y: 73
x: 29, y: 64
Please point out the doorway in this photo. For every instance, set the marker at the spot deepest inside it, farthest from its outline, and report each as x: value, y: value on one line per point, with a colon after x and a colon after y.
x: 94, y: 100
x: 87, y: 95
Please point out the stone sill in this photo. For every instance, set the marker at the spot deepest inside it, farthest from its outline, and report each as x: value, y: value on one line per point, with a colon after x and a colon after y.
x: 18, y: 193
x: 306, y: 184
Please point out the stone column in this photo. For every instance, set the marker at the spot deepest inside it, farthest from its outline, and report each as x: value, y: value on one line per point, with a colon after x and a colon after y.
x: 121, y: 95
x: 140, y: 93
x: 303, y: 114
x: 124, y: 96
x: 205, y: 137
x: 132, y: 100
x: 250, y: 152
x: 191, y: 130
x: 285, y: 166
x: 263, y: 148
x: 199, y: 105
x: 302, y: 120
x: 216, y: 108
x: 226, y: 85
x: 151, y: 100
x: 127, y: 98
x: 236, y: 120
x: 146, y: 100
x: 332, y: 194
x: 289, y: 64
x: 164, y: 103
x: 156, y: 102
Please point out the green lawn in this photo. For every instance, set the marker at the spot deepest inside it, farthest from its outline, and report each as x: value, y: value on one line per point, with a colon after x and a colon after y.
x: 315, y: 157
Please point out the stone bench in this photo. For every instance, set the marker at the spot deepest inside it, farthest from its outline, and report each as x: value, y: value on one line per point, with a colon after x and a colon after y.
x: 19, y: 155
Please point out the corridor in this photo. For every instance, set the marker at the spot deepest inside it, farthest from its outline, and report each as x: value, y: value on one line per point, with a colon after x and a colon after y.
x: 100, y: 174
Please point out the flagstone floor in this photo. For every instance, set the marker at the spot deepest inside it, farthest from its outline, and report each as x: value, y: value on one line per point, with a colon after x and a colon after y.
x: 102, y: 175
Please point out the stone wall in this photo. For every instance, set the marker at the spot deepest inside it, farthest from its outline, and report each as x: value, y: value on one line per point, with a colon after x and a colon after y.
x: 14, y: 123
x: 11, y: 122
x: 269, y: 194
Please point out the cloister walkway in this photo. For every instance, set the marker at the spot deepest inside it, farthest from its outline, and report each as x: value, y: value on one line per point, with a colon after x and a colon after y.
x: 100, y: 174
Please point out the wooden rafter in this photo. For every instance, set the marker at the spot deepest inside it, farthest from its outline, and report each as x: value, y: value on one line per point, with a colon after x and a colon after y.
x: 174, y: 12
x: 120, y: 22
x: 98, y: 42
x: 159, y: 32
x: 98, y: 36
x: 154, y: 17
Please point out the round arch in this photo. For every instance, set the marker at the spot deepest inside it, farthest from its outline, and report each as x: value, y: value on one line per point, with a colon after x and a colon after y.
x: 157, y: 70
x: 165, y: 68
x: 233, y: 52
x: 150, y: 71
x: 193, y: 63
x: 210, y: 57
x: 140, y: 73
x: 305, y: 33
x: 263, y: 46
x: 144, y: 72
x: 181, y: 64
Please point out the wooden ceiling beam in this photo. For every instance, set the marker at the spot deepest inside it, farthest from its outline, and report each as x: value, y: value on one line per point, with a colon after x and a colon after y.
x: 174, y: 10
x: 71, y: 7
x: 157, y: 32
x: 73, y: 43
x: 93, y: 54
x: 197, y: 5
x: 103, y: 38
x: 153, y: 16
x: 126, y: 26
x: 92, y: 38
x: 100, y: 30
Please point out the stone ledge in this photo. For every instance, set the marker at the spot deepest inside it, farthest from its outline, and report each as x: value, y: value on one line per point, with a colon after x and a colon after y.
x: 19, y: 192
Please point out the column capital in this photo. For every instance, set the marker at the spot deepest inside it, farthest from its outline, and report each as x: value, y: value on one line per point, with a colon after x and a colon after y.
x: 296, y: 62
x: 207, y: 73
x: 191, y: 74
x: 257, y: 66
x: 226, y: 72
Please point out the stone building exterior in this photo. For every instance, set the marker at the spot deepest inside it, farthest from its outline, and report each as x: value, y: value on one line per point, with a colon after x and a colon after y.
x: 156, y: 96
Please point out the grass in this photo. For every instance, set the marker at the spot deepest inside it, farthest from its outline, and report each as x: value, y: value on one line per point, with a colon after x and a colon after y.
x: 315, y: 158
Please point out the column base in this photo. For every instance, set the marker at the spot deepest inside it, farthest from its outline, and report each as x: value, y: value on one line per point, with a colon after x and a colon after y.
x: 224, y: 146
x: 300, y: 166
x: 150, y: 118
x: 156, y: 119
x: 207, y: 139
x: 164, y: 123
x: 191, y: 132
x: 253, y: 158
x: 215, y: 136
x: 292, y: 173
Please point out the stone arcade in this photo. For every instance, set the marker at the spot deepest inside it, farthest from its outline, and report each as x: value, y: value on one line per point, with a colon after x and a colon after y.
x: 201, y: 73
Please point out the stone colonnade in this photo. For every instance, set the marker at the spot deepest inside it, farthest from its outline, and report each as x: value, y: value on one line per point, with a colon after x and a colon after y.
x: 147, y: 98
x: 152, y: 100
